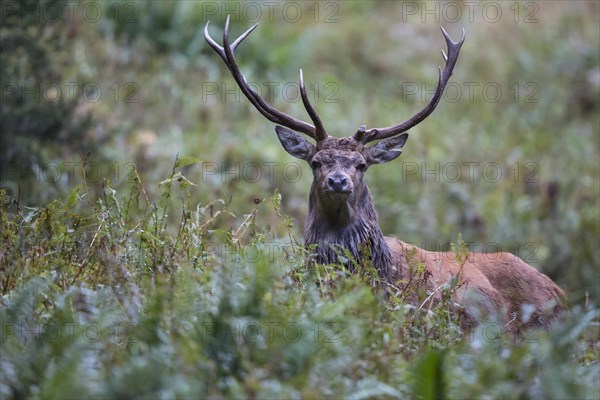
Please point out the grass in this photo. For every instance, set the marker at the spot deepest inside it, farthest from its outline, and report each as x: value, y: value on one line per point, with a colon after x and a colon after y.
x: 125, y: 275
x: 97, y: 303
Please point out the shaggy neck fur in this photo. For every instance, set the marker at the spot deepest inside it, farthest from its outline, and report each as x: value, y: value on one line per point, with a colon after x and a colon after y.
x: 347, y: 222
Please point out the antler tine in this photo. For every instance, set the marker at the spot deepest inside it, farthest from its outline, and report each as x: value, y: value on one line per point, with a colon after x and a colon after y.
x: 453, y: 50
x: 321, y: 133
x: 226, y: 52
x: 360, y: 133
x: 217, y: 48
x: 443, y: 76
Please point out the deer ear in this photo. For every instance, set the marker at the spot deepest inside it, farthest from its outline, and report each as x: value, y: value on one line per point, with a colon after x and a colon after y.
x: 387, y: 149
x: 294, y: 143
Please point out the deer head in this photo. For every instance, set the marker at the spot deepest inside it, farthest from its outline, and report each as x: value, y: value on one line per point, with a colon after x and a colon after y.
x: 340, y: 206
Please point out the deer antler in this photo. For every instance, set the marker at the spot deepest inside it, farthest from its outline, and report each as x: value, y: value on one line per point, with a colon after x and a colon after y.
x: 365, y: 136
x: 316, y: 132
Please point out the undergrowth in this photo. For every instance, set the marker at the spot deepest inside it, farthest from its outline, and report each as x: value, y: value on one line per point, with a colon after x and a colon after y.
x: 101, y: 302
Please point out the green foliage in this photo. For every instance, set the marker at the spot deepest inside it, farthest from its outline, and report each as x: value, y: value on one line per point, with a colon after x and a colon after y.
x: 41, y: 118
x: 123, y: 308
x: 429, y: 376
x: 184, y: 281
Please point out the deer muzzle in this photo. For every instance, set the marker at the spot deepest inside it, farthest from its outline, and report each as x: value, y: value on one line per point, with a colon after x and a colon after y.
x: 340, y: 183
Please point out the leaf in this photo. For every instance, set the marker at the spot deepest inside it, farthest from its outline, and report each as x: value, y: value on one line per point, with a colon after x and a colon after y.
x: 187, y: 160
x: 22, y: 306
x: 429, y: 376
x: 373, y: 389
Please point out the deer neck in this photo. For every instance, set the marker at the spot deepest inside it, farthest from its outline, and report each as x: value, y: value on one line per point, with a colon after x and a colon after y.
x: 350, y: 223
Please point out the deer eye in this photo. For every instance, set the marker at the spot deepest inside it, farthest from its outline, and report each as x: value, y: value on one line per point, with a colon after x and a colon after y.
x: 315, y: 164
x: 361, y: 167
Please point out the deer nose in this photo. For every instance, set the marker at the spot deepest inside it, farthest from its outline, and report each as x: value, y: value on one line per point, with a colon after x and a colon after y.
x: 339, y: 183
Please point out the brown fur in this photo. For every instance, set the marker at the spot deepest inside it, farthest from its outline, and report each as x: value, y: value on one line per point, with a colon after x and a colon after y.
x: 490, y: 284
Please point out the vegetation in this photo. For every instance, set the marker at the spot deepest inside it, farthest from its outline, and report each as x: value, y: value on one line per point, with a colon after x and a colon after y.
x: 101, y: 304
x: 123, y: 275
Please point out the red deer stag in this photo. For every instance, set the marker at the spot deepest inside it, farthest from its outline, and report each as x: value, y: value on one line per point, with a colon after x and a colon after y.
x: 341, y: 212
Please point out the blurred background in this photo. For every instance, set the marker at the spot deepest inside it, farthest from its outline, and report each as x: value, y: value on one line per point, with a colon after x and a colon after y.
x: 509, y: 160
